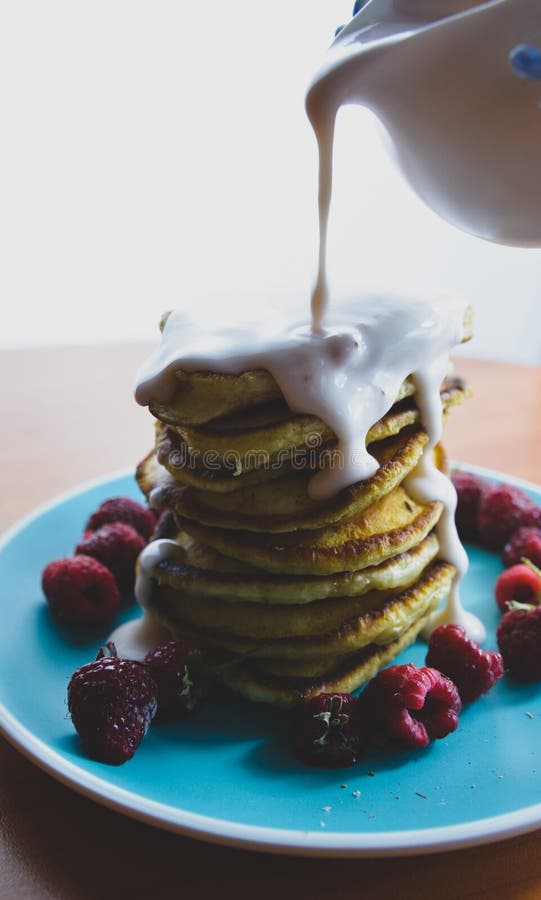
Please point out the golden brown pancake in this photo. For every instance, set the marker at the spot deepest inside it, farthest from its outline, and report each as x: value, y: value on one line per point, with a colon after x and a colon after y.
x: 375, y: 618
x: 263, y: 623
x: 345, y: 676
x: 388, y: 527
x: 201, y: 572
x: 284, y: 505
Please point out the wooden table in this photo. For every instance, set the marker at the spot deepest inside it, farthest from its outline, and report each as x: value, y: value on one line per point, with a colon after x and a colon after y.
x: 68, y: 416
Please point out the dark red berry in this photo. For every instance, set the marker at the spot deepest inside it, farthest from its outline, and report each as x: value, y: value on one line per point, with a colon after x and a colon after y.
x: 519, y: 640
x: 501, y: 511
x: 519, y: 584
x: 327, y: 731
x: 524, y: 543
x: 473, y: 670
x: 469, y: 488
x: 412, y: 705
x: 112, y: 702
x: 123, y: 509
x: 117, y: 546
x: 80, y: 591
x: 183, y: 675
x: 532, y: 519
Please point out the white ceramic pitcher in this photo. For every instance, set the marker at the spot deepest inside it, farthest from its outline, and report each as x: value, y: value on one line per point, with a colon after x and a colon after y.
x: 463, y: 125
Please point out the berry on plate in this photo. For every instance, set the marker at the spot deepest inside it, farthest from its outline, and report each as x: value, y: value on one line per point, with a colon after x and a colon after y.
x: 519, y: 584
x: 519, y: 640
x: 469, y: 488
x: 412, y: 705
x: 502, y: 510
x: 183, y: 676
x: 117, y: 546
x: 327, y: 731
x: 123, y: 509
x: 473, y: 670
x: 532, y: 519
x: 80, y: 591
x: 112, y: 702
x: 525, y: 542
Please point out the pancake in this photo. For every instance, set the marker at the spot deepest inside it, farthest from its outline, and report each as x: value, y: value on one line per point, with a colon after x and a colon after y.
x: 376, y: 618
x: 202, y: 396
x: 387, y: 528
x: 284, y: 505
x: 248, y: 620
x: 269, y: 442
x: 200, y: 572
x: 345, y: 676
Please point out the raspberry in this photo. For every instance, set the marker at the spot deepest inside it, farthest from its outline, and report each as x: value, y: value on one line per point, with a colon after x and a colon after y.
x: 473, y: 670
x: 519, y: 584
x: 112, y: 702
x: 123, y: 509
x: 326, y: 731
x: 80, y: 591
x: 117, y: 546
x: 469, y: 488
x: 183, y: 677
x: 532, y: 519
x: 502, y: 510
x: 519, y: 640
x: 412, y: 705
x: 524, y: 543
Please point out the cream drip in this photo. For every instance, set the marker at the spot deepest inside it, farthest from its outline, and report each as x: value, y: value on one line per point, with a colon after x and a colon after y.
x: 133, y: 640
x: 348, y: 373
x: 153, y: 554
x: 427, y: 483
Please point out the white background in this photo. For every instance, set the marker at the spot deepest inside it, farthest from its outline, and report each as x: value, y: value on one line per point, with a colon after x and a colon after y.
x: 154, y: 153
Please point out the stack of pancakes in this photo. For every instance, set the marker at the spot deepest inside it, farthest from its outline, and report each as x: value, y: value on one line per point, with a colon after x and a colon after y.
x: 301, y: 596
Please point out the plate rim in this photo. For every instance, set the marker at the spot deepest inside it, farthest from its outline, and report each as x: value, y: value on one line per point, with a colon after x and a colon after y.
x: 255, y: 837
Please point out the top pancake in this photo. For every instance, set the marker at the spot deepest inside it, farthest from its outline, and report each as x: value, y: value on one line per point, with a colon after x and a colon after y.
x: 203, y: 396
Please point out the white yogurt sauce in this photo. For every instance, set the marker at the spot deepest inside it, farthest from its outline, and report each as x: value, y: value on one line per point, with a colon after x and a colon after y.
x: 135, y: 639
x: 348, y: 373
x: 153, y: 554
x: 427, y: 483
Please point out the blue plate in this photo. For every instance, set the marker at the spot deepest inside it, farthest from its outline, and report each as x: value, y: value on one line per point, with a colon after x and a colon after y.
x: 227, y: 775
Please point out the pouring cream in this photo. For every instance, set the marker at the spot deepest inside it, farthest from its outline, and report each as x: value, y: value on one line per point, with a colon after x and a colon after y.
x: 464, y: 127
